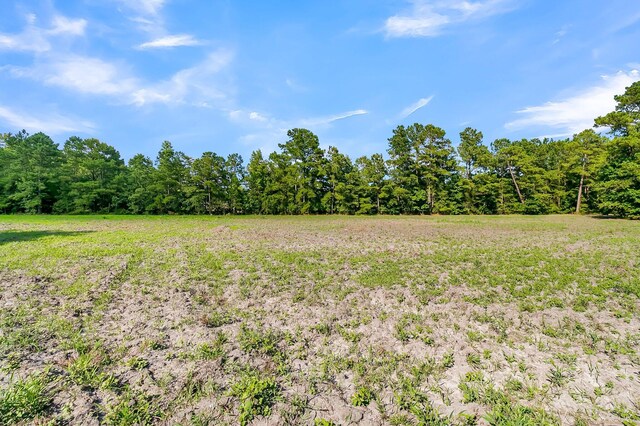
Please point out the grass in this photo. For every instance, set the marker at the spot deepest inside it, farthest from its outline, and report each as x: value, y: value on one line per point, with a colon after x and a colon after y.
x: 256, y: 395
x: 505, y: 320
x: 25, y: 399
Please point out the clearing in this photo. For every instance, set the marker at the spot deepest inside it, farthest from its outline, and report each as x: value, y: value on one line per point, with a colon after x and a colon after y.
x: 319, y: 320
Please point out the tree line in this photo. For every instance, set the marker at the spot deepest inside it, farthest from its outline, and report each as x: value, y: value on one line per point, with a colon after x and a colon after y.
x: 423, y: 173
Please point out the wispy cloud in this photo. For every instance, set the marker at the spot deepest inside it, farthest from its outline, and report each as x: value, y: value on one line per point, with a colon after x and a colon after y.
x: 93, y: 76
x: 148, y: 16
x: 144, y: 7
x: 559, y: 35
x: 295, y: 86
x: 266, y: 121
x: 64, y: 25
x: 268, y: 131
x: 576, y: 112
x: 626, y: 19
x: 176, y: 40
x: 80, y: 74
x: 196, y: 85
x: 256, y: 116
x: 415, y: 106
x: 318, y: 121
x: 430, y: 18
x: 53, y: 123
x: 38, y: 39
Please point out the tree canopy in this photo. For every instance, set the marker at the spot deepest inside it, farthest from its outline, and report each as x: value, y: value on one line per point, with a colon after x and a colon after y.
x: 423, y: 173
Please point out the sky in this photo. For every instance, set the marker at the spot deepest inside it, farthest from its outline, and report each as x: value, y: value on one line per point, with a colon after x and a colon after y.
x: 234, y: 76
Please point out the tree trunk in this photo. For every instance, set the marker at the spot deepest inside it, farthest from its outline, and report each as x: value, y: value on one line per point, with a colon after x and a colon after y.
x: 513, y: 178
x: 580, y: 194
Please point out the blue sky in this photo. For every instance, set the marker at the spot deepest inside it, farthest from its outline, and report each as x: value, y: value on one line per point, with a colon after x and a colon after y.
x: 233, y: 76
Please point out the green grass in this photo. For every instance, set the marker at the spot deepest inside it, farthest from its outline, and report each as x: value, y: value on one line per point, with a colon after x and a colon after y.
x: 257, y: 395
x: 133, y: 408
x: 319, y: 320
x: 25, y: 399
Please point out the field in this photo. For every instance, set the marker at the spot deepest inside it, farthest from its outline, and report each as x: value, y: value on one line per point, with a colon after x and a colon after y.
x: 319, y: 320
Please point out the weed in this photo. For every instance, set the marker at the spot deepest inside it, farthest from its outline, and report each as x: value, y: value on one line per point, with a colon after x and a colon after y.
x: 362, y: 396
x: 133, y: 408
x: 417, y: 403
x: 24, y: 400
x: 217, y: 319
x: 138, y: 363
x: 506, y: 414
x: 87, y: 371
x: 448, y: 360
x: 474, y: 360
x: 257, y: 396
x: 261, y: 341
x: 210, y: 351
x: 323, y: 422
x: 557, y: 376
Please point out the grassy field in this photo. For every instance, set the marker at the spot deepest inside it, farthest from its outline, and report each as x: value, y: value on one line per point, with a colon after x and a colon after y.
x: 319, y: 320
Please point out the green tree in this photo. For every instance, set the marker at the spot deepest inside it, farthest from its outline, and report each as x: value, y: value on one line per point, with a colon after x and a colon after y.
x: 338, y: 166
x: 236, y: 176
x: 257, y: 180
x: 170, y: 179
x: 374, y: 176
x: 282, y: 186
x: 303, y: 153
x: 422, y: 160
x: 472, y: 152
x: 618, y: 181
x: 626, y: 117
x: 585, y: 157
x: 404, y: 149
x: 94, y: 177
x: 30, y: 173
x: 476, y: 158
x: 5, y: 177
x: 209, y: 181
x: 140, y: 178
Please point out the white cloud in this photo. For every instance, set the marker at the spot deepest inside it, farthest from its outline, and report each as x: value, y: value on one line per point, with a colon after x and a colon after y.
x: 415, y: 106
x: 52, y: 124
x: 145, y: 7
x: 625, y: 19
x: 146, y: 14
x: 344, y: 115
x: 256, y: 116
x: 243, y: 117
x: 31, y: 39
x: 319, y: 121
x: 36, y: 39
x: 81, y: 74
x: 64, y: 25
x: 250, y: 117
x: 427, y: 24
x: 90, y: 75
x: 31, y: 18
x: 148, y: 17
x: 93, y: 76
x: 176, y: 40
x: 430, y: 18
x: 295, y: 86
x: 268, y: 131
x: 576, y: 112
x: 560, y: 34
x: 195, y: 85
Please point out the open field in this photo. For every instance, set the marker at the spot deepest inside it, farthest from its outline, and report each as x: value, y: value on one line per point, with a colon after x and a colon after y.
x: 319, y: 320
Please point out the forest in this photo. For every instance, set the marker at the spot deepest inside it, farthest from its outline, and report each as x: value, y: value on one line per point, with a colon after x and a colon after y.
x: 595, y: 171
